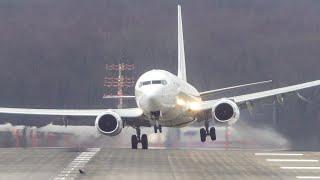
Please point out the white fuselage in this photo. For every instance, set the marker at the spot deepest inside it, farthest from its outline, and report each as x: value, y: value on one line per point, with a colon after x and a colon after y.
x: 163, y: 92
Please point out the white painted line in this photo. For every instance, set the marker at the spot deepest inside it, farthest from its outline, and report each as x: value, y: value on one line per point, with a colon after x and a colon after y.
x: 278, y: 154
x: 292, y: 160
x: 302, y: 167
x: 80, y: 161
x: 73, y: 174
x: 308, y: 177
x: 69, y: 168
x: 86, y: 155
x: 65, y: 172
x: 93, y: 149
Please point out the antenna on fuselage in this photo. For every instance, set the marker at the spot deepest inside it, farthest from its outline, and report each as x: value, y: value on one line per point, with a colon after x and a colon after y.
x: 182, y: 72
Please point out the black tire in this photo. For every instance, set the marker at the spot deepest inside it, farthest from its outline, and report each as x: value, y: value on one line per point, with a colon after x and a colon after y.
x: 144, y: 141
x: 213, y: 133
x: 134, y: 142
x: 155, y: 129
x: 203, y: 135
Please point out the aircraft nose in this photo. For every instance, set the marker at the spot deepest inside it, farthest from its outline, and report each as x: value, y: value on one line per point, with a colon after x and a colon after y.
x: 150, y: 101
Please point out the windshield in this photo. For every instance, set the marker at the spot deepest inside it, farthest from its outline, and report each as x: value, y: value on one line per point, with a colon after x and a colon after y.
x: 144, y: 83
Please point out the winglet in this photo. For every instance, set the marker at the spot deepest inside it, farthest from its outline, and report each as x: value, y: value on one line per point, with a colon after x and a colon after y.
x: 182, y: 74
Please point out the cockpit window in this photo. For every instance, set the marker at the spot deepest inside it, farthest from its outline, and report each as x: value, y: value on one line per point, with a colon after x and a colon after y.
x: 156, y: 82
x: 164, y: 82
x: 144, y: 83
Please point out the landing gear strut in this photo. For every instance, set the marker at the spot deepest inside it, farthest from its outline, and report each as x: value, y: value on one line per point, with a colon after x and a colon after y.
x: 204, y: 132
x: 135, y: 139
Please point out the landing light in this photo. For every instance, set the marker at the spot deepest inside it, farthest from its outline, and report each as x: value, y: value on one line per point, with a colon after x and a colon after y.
x: 194, y: 106
x: 140, y: 111
x: 180, y: 102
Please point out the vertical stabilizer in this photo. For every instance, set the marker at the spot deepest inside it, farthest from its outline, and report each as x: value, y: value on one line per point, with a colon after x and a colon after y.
x: 182, y: 74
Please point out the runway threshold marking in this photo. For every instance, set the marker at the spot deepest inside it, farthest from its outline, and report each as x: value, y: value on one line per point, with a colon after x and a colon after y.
x: 301, y: 168
x: 292, y: 160
x: 71, y: 171
x: 278, y: 154
x: 308, y: 177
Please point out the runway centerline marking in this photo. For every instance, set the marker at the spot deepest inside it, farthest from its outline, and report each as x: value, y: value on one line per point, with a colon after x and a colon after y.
x: 278, y: 154
x: 292, y: 160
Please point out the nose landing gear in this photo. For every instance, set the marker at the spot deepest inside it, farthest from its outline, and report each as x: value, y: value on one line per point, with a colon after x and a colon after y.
x: 156, y: 115
x: 156, y: 128
x: 135, y: 139
x: 204, y: 132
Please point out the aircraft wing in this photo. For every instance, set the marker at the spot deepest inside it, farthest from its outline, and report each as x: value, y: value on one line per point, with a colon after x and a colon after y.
x: 128, y: 113
x: 274, y: 92
x: 206, y: 93
x: 205, y: 105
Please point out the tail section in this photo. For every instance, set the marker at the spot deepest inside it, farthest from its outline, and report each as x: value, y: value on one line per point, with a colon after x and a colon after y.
x: 182, y: 73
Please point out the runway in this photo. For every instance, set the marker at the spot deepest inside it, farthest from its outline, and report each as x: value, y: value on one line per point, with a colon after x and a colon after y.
x: 96, y: 163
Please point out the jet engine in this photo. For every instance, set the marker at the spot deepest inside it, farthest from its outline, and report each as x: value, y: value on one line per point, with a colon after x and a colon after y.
x: 109, y: 123
x: 226, y: 112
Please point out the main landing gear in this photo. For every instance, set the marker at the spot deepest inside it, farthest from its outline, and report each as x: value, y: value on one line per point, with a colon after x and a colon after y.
x: 135, y: 139
x: 204, y: 132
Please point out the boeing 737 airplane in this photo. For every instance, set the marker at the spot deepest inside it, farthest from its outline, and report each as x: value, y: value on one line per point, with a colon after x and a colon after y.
x: 167, y: 100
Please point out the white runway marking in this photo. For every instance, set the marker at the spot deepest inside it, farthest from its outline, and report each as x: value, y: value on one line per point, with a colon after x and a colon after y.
x: 71, y: 171
x: 292, y: 160
x: 303, y: 167
x: 308, y: 177
x: 278, y: 154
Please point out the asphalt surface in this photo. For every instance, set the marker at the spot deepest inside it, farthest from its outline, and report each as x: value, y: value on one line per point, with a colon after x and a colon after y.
x: 96, y: 163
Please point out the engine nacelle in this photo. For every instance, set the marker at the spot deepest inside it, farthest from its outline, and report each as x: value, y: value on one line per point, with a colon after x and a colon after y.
x: 109, y: 123
x: 226, y: 112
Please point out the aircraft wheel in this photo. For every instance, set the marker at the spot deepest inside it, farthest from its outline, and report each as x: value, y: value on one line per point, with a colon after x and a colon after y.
x: 155, y: 129
x: 134, y: 142
x: 144, y: 141
x: 213, y: 133
x: 203, y: 135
